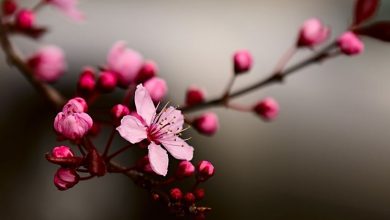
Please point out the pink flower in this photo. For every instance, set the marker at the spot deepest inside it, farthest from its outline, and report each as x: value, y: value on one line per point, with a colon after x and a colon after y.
x: 313, y: 32
x: 69, y: 7
x: 73, y: 123
x: 65, y: 178
x: 62, y: 152
x: 159, y: 129
x: 48, y: 63
x: 267, y: 108
x: 243, y: 61
x: 125, y: 63
x: 25, y: 19
x: 157, y: 88
x: 195, y: 95
x: 350, y: 44
x: 207, y: 123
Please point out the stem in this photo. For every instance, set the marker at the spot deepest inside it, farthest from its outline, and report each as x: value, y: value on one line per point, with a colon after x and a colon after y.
x: 284, y: 60
x: 123, y: 149
x: 109, y: 142
x: 273, y: 78
x: 51, y: 94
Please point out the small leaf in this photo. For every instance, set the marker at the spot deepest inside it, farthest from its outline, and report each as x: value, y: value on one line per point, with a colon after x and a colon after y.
x: 365, y: 9
x: 379, y: 30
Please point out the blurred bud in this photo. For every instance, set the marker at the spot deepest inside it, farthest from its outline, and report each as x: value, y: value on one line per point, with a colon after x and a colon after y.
x: 312, y: 33
x: 106, y: 82
x: 350, y: 44
x: 155, y: 197
x: 68, y: 7
x: 87, y: 82
x: 118, y: 111
x: 189, y: 198
x: 9, y: 7
x: 200, y: 216
x: 62, y: 152
x: 207, y: 123
x: 65, y: 178
x: 48, y: 63
x: 143, y: 165
x: 95, y: 129
x: 185, y: 169
x: 206, y: 170
x: 243, y: 61
x: 25, y: 19
x: 76, y: 104
x: 149, y: 70
x: 199, y: 193
x: 157, y: 88
x: 176, y: 194
x: 195, y: 95
x: 267, y: 108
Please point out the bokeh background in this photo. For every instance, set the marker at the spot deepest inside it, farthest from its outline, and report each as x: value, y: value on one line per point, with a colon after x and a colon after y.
x: 325, y: 158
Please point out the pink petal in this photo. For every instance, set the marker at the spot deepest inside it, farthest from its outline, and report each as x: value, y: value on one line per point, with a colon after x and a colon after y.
x: 178, y: 148
x: 132, y: 129
x: 116, y: 51
x: 174, y: 117
x: 158, y: 159
x: 144, y: 104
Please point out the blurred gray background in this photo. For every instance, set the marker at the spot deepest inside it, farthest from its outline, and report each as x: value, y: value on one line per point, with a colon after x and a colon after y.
x: 325, y: 158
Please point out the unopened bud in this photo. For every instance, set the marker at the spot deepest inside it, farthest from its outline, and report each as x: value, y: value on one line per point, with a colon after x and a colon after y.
x: 118, y: 111
x: 207, y: 123
x: 312, y: 33
x: 199, y: 193
x: 62, y: 152
x: 176, y: 194
x: 195, y: 95
x: 157, y: 88
x: 9, y: 7
x: 25, y: 19
x: 65, y: 178
x: 189, y: 198
x: 107, y: 82
x: 87, y: 82
x: 185, y: 169
x: 206, y: 170
x: 350, y: 44
x: 149, y: 70
x: 242, y: 61
x: 267, y: 108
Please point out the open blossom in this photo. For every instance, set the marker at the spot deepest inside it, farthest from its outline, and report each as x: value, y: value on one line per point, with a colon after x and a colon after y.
x: 124, y: 63
x: 48, y: 63
x: 73, y: 123
x: 159, y: 129
x: 69, y: 7
x: 312, y: 33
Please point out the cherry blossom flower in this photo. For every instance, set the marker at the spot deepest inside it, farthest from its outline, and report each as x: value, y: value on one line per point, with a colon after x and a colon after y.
x: 159, y: 129
x: 69, y: 8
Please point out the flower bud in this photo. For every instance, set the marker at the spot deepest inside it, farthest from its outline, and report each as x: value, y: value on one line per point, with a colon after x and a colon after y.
x: 9, y: 7
x: 48, y: 63
x: 157, y: 88
x: 206, y: 170
x: 143, y: 165
x: 149, y: 70
x: 195, y: 95
x: 62, y: 152
x: 25, y: 19
x: 189, y: 198
x: 176, y: 194
x: 68, y: 7
x: 65, y: 178
x: 107, y: 82
x: 350, y: 44
x: 312, y: 33
x: 267, y: 108
x: 243, y: 61
x: 207, y: 123
x: 87, y: 82
x: 199, y: 193
x: 118, y: 111
x: 76, y: 104
x: 95, y: 129
x: 185, y: 169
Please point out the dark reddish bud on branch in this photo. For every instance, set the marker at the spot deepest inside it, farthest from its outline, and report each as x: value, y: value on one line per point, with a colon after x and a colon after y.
x: 107, y: 82
x: 199, y: 193
x: 65, y: 178
x: 364, y: 10
x: 185, y: 169
x: 379, y: 30
x: 189, y: 198
x: 242, y: 61
x: 87, y: 82
x: 149, y: 70
x: 205, y: 170
x: 176, y: 194
x: 9, y: 7
x: 25, y: 19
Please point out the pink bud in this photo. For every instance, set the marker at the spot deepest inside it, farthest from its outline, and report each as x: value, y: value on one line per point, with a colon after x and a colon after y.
x: 125, y: 63
x: 62, y: 152
x: 48, y: 63
x: 149, y: 70
x: 157, y: 88
x: 76, y: 104
x: 206, y: 170
x: 176, y: 194
x: 207, y: 123
x: 143, y: 165
x: 72, y: 122
x: 242, y: 61
x: 65, y: 178
x: 68, y: 7
x: 95, y: 129
x: 9, y: 7
x: 118, y: 111
x: 189, y: 198
x: 312, y: 33
x: 25, y: 19
x: 350, y: 44
x: 87, y: 82
x: 199, y: 193
x: 267, y: 108
x: 185, y: 169
x: 107, y: 82
x: 195, y: 95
